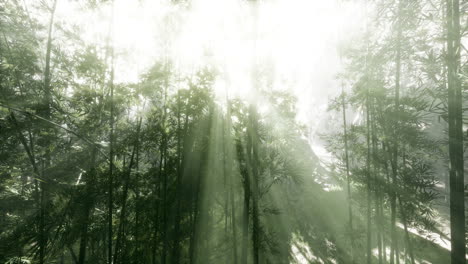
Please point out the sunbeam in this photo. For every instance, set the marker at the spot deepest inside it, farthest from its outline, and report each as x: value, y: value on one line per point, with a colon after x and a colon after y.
x: 234, y: 131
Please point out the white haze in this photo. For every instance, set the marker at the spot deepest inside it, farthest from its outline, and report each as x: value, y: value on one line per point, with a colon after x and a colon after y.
x: 295, y: 41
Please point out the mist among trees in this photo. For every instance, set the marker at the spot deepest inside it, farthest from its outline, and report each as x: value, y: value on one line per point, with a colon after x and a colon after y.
x: 236, y: 131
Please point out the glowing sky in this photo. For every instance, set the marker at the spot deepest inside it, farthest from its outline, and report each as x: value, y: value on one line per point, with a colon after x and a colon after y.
x: 294, y: 40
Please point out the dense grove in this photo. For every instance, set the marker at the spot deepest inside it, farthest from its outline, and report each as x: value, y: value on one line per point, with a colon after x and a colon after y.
x: 165, y: 170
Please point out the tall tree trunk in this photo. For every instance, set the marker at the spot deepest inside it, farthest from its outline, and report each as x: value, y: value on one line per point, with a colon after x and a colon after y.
x: 164, y: 181
x: 164, y: 207
x: 195, y: 228
x: 455, y: 127
x: 47, y: 75
x: 252, y: 150
x: 226, y: 185
x: 253, y: 157
x: 233, y: 224
x: 111, y: 170
x: 393, y: 235
x: 369, y: 186
x: 159, y: 186
x: 180, y: 170
x: 245, y: 215
x: 389, y: 191
x: 120, y: 232
x: 228, y: 156
x: 110, y: 201
x: 198, y: 199
x: 382, y: 224
x: 405, y: 225
x: 394, y: 157
x: 377, y: 182
x: 348, y: 178
x: 47, y: 115
x: 158, y: 207
x: 137, y: 258
x: 88, y: 203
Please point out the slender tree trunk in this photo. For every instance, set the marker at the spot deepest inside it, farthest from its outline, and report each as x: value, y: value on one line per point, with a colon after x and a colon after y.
x: 255, y: 190
x: 405, y: 225
x: 348, y: 178
x: 47, y: 115
x: 252, y: 146
x: 42, y: 235
x: 455, y: 127
x: 233, y: 224
x: 228, y: 156
x: 111, y: 151
x: 111, y: 170
x: 388, y: 189
x: 120, y: 232
x: 88, y: 203
x: 198, y: 199
x: 158, y: 206
x: 194, y: 235
x: 137, y: 258
x: 393, y: 235
x: 164, y: 187
x: 164, y: 208
x: 180, y: 171
x: 394, y: 158
x: 245, y: 216
x: 47, y: 75
x: 377, y: 182
x: 84, y: 236
x: 226, y: 185
x: 369, y: 186
x: 382, y: 224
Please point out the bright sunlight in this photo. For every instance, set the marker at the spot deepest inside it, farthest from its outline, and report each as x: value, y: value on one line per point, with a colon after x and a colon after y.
x: 234, y: 131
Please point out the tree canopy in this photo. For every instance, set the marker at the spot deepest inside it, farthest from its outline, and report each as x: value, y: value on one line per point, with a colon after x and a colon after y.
x: 192, y: 135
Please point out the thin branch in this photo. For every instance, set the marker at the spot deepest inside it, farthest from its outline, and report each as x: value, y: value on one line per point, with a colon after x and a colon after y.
x: 57, y: 125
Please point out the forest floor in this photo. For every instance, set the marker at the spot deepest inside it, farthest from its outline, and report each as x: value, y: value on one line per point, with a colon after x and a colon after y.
x: 427, y: 248
x: 326, y: 208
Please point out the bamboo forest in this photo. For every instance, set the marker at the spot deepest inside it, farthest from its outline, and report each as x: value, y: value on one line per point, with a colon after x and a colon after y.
x: 233, y: 131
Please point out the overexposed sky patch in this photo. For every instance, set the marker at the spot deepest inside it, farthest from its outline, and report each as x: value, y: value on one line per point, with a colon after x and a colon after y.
x: 295, y: 42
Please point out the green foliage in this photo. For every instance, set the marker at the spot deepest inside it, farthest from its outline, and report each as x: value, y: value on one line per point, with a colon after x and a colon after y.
x: 199, y: 179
